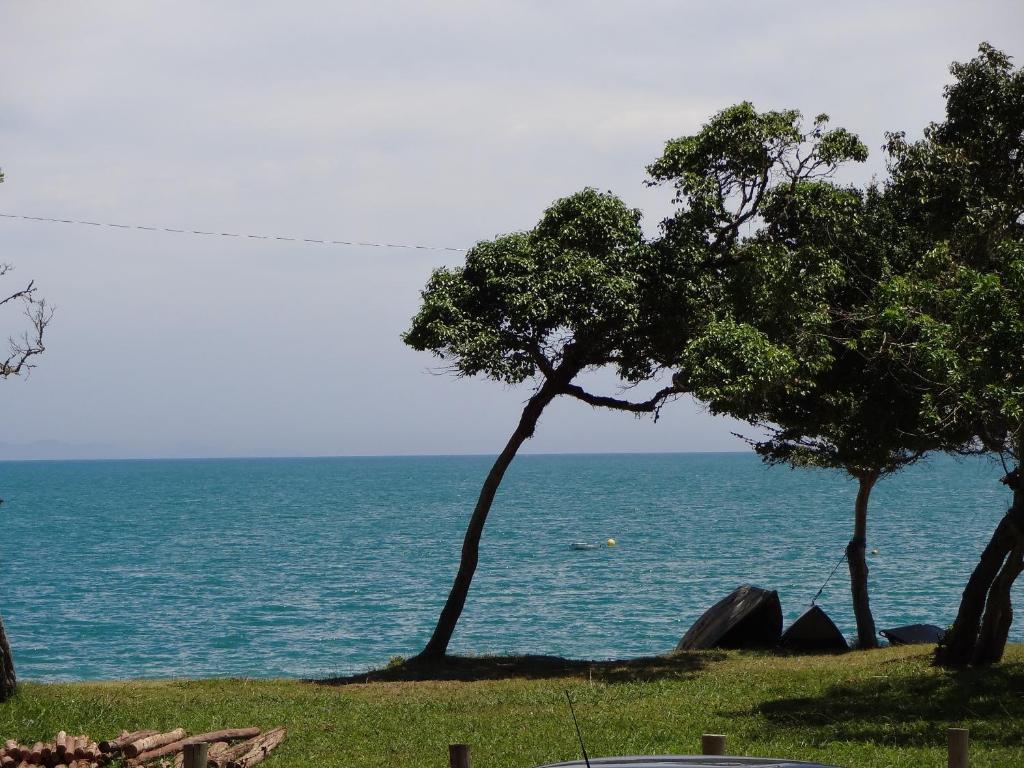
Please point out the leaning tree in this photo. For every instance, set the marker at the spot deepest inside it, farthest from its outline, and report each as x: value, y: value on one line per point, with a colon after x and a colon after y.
x: 782, y: 342
x: 960, y: 312
x: 541, y: 306
x: 21, y: 350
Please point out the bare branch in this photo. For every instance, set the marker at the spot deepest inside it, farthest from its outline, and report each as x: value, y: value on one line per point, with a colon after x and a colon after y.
x: 30, y: 343
x: 601, y: 401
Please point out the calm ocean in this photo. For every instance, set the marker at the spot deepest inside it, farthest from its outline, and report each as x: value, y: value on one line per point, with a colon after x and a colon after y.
x: 312, y: 567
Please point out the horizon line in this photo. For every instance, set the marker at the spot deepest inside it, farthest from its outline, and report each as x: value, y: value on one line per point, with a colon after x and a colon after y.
x: 255, y: 457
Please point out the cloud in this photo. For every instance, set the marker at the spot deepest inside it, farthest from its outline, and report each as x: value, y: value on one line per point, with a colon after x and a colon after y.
x: 421, y: 122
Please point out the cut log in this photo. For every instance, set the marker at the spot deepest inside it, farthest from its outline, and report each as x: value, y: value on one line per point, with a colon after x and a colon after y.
x: 36, y: 753
x: 61, y: 744
x: 13, y: 749
x: 233, y: 752
x: 748, y: 617
x: 115, y: 745
x: 260, y: 749
x: 215, y: 751
x: 152, y: 742
x: 7, y: 761
x: 153, y: 754
x: 81, y: 742
x: 814, y: 631
x: 112, y: 745
x: 229, y: 734
x: 913, y: 634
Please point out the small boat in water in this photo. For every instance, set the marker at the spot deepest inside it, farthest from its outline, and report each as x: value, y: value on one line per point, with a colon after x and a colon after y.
x: 582, y: 545
x: 813, y: 631
x: 748, y: 617
x: 913, y: 634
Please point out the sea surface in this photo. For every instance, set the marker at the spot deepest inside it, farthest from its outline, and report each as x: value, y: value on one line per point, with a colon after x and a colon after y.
x: 316, y: 567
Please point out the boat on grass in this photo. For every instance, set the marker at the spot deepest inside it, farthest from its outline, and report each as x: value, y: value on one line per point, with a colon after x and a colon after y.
x: 813, y: 631
x: 913, y: 634
x: 748, y: 617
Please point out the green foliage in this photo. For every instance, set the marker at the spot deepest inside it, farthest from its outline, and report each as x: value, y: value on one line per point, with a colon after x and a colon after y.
x: 565, y: 293
x: 791, y: 260
x: 964, y: 180
x: 722, y: 173
x: 861, y: 328
x: 959, y: 312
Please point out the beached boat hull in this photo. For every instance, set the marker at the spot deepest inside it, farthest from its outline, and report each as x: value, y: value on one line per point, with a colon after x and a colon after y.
x: 813, y: 631
x: 913, y: 634
x: 748, y: 617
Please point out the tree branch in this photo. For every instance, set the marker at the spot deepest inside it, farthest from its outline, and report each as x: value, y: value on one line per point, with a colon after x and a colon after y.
x: 31, y: 342
x: 601, y: 401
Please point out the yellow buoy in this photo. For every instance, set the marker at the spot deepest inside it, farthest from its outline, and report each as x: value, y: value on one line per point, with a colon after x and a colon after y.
x: 611, y: 542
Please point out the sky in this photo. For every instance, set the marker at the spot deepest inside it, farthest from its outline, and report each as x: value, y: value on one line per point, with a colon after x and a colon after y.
x: 432, y: 123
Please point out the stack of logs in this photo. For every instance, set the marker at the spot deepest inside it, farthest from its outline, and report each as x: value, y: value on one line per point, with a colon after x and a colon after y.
x: 154, y: 748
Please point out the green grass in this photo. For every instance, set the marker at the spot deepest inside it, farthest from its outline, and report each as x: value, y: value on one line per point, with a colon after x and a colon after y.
x: 864, y: 709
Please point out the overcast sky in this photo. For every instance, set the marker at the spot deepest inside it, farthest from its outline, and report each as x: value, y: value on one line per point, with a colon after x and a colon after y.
x: 437, y: 123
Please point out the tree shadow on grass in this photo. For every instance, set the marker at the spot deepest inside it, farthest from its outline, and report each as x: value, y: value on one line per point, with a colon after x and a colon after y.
x: 471, y: 668
x: 913, y: 710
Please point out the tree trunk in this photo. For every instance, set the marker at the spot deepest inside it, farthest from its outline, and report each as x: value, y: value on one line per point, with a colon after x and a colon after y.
x: 436, y: 648
x: 8, y: 681
x: 856, y: 557
x: 957, y: 649
x: 995, y: 624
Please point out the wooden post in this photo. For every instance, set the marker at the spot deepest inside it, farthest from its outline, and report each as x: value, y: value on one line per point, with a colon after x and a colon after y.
x: 958, y: 742
x: 712, y: 744
x: 458, y: 755
x: 195, y: 755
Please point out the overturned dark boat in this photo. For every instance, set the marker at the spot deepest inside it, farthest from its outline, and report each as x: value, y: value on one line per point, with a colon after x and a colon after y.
x: 814, y: 631
x: 748, y: 617
x: 913, y: 634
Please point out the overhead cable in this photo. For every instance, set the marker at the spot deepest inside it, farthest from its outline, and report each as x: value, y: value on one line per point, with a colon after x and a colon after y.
x: 314, y: 241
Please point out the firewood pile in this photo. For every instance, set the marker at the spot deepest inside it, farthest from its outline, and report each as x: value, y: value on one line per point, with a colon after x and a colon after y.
x: 229, y: 748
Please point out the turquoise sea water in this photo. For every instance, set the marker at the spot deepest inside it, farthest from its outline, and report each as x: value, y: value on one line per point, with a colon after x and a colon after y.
x: 311, y: 567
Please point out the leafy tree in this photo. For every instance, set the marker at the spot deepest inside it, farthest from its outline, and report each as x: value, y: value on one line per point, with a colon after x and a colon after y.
x: 541, y: 306
x: 961, y: 310
x: 19, y: 358
x: 785, y: 341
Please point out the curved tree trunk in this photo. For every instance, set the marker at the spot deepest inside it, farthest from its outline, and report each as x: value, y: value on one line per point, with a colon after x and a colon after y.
x: 957, y: 649
x: 438, y: 644
x: 995, y: 624
x: 8, y: 681
x: 856, y: 557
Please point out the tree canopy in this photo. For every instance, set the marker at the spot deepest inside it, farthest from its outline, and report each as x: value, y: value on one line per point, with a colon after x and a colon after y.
x: 544, y: 306
x: 783, y: 331
x: 959, y: 312
x: 558, y: 299
x: 857, y: 327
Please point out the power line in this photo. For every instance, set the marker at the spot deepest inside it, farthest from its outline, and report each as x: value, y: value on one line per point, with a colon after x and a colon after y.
x: 311, y: 240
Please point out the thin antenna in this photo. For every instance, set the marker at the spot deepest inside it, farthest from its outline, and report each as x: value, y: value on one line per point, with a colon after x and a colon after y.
x: 578, y: 734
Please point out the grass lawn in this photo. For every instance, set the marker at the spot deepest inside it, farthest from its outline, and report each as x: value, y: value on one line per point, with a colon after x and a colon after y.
x: 875, y: 709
